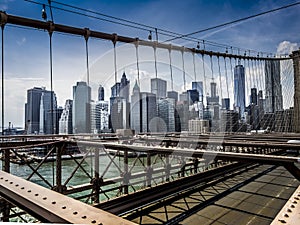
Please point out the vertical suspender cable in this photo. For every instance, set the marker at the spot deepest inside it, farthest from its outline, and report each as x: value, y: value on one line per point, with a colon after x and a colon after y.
x: 183, y: 69
x: 204, y: 75
x: 86, y: 37
x: 155, y: 68
x: 211, y: 68
x: 2, y: 72
x: 225, y: 64
x: 171, y: 71
x: 51, y: 77
x: 194, y: 64
x: 220, y: 77
x: 137, y: 60
x: 115, y: 56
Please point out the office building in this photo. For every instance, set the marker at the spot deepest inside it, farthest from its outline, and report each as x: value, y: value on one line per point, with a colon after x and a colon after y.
x: 38, y: 115
x: 198, y: 85
x: 99, y: 116
x: 274, y: 101
x: 100, y: 93
x: 159, y: 87
x: 173, y: 94
x: 65, y: 121
x: 239, y: 90
x: 166, y: 112
x: 81, y: 108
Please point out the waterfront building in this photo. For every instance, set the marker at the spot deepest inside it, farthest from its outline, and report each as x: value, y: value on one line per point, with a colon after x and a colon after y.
x: 159, y: 87
x: 100, y: 93
x: 166, y: 112
x: 99, y: 116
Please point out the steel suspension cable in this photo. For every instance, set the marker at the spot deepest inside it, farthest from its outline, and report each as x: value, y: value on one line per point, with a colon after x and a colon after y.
x: 194, y: 64
x: 137, y: 60
x: 51, y: 82
x: 171, y: 70
x: 220, y: 79
x: 204, y: 74
x: 86, y: 37
x: 115, y: 58
x: 225, y: 65
x: 183, y: 70
x: 2, y: 72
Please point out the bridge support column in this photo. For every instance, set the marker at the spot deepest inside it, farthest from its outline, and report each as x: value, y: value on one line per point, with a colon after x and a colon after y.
x: 149, y: 170
x: 296, y: 62
x: 96, y: 181
x: 58, y: 183
x: 168, y: 168
x: 125, y: 174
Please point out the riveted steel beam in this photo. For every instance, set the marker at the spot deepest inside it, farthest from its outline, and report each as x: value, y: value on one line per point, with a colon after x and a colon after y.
x: 50, y: 206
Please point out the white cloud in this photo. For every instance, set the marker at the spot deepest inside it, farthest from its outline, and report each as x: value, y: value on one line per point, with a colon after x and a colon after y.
x: 286, y: 47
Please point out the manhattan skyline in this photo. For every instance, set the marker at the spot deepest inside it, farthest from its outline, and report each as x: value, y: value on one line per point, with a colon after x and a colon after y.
x: 23, y: 72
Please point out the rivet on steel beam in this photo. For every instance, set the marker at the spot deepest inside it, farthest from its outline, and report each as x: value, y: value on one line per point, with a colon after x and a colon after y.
x: 53, y: 203
x: 29, y: 191
x: 22, y: 188
x: 45, y: 198
x: 83, y: 217
x: 282, y: 221
x: 296, y: 198
x: 17, y: 185
x: 75, y: 213
x: 289, y: 210
x: 286, y: 215
x: 11, y: 182
x: 64, y: 207
x: 36, y: 194
x: 295, y: 202
x: 94, y: 221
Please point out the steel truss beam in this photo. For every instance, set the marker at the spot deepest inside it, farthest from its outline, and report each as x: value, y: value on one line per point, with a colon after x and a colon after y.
x: 286, y: 161
x: 50, y: 206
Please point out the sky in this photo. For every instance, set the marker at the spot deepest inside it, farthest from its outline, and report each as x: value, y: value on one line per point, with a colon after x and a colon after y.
x: 26, y: 50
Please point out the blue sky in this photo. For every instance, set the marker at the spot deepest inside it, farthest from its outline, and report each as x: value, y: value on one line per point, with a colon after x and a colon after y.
x: 27, y: 51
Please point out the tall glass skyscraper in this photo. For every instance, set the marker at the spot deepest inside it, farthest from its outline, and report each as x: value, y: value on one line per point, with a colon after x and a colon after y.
x: 159, y: 87
x: 81, y: 108
x: 38, y: 117
x: 239, y: 89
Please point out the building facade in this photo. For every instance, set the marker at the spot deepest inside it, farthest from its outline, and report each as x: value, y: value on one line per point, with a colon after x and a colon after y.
x: 81, y: 108
x: 65, y: 121
x: 274, y: 100
x: 239, y: 90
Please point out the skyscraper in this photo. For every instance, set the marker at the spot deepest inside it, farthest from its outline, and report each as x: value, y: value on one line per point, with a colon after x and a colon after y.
x: 166, y: 111
x: 99, y: 116
x: 213, y: 99
x: 143, y: 110
x: 48, y: 119
x: 159, y: 87
x: 65, y: 121
x: 273, y: 96
x: 81, y: 108
x: 198, y: 85
x: 38, y: 117
x: 124, y: 87
x: 239, y: 89
x: 101, y: 93
x: 173, y: 94
x: 119, y: 105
